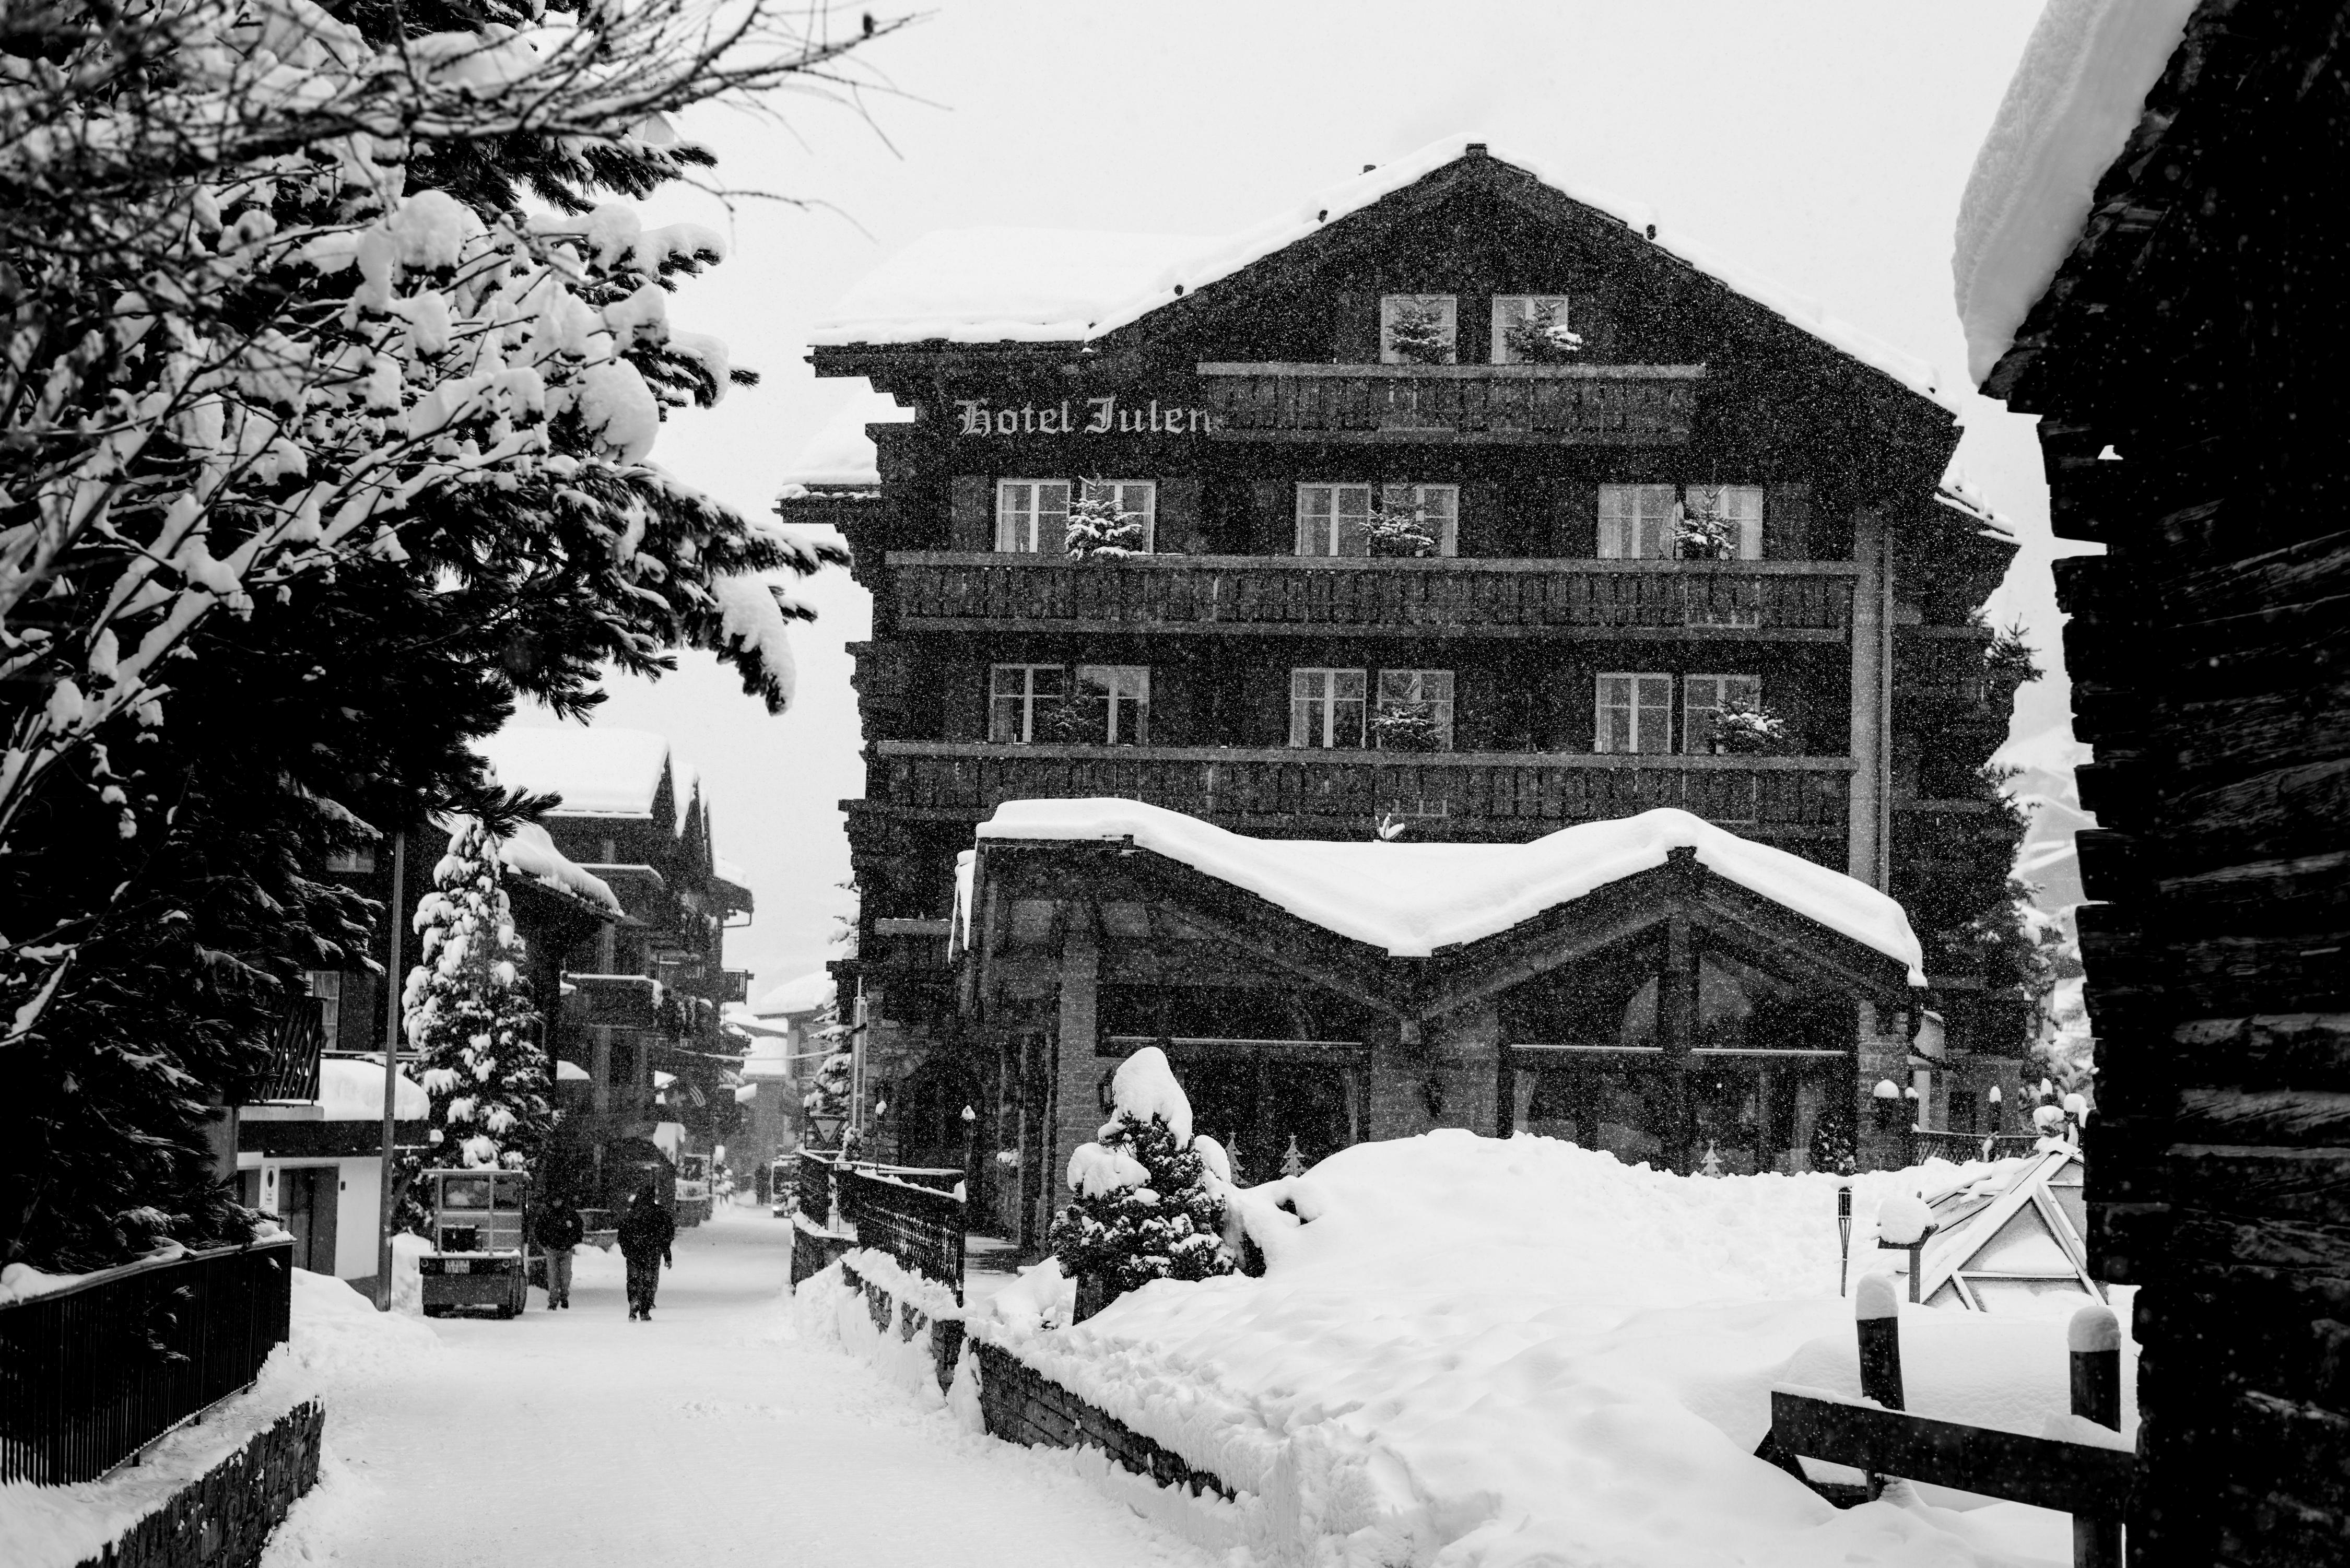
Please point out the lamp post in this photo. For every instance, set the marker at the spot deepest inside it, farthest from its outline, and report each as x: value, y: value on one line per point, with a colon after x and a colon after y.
x: 1844, y: 1234
x: 969, y: 1154
x: 392, y: 989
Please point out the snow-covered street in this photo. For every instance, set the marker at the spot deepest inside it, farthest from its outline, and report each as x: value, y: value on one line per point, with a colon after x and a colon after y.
x: 712, y: 1435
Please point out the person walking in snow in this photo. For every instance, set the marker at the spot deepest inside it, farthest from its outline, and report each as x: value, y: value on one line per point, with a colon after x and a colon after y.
x: 558, y: 1232
x: 646, y: 1232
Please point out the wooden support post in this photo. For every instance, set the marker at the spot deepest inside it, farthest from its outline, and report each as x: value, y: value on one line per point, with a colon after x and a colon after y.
x: 1876, y: 1315
x: 1077, y: 1108
x: 2095, y: 1342
x: 1676, y: 1029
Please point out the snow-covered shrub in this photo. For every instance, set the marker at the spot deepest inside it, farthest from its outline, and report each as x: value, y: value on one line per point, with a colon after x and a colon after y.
x: 1407, y: 727
x: 1145, y: 1206
x: 1398, y: 529
x: 828, y: 1094
x: 1703, y: 531
x: 1418, y: 334
x: 1539, y: 338
x: 1745, y: 728
x: 468, y: 1017
x: 1098, y: 530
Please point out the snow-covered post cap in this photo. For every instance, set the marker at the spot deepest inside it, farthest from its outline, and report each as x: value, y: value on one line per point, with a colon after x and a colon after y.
x: 2048, y: 1118
x: 2094, y: 1328
x: 1874, y: 1297
x: 1886, y: 1089
x: 1903, y: 1220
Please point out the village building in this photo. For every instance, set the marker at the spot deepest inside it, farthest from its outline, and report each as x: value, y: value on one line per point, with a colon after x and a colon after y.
x: 1452, y: 510
x: 2151, y: 257
x: 784, y: 1044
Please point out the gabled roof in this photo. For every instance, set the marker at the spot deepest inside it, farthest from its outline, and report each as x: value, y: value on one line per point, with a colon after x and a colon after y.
x: 1011, y: 286
x: 597, y: 771
x: 2009, y: 1239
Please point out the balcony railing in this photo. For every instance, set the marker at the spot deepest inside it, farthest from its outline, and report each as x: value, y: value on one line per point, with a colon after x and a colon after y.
x: 1558, y: 405
x: 1787, y: 600
x: 1784, y: 797
x: 618, y: 1001
x: 292, y: 1074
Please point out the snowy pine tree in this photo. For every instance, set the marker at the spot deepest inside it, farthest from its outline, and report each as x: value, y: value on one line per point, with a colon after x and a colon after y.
x: 1144, y: 1208
x: 1099, y: 529
x: 469, y: 1016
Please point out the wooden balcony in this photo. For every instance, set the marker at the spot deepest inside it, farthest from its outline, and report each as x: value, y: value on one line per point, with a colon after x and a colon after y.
x: 988, y: 591
x: 1503, y: 794
x: 1539, y: 405
x: 617, y: 1001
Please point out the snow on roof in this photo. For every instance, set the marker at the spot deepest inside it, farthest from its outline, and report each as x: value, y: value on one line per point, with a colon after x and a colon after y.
x: 1035, y: 285
x: 351, y: 1090
x: 597, y: 771
x: 809, y: 993
x: 1412, y: 899
x: 2077, y: 93
x: 529, y: 851
x: 1958, y: 493
x: 571, y: 1073
x: 840, y: 453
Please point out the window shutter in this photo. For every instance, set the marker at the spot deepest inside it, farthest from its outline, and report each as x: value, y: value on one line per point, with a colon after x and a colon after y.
x: 1787, y: 522
x: 357, y: 1028
x: 1355, y: 328
x: 972, y: 513
x: 1273, y: 517
x: 1177, y: 528
x: 1481, y: 527
x: 1476, y: 697
x: 965, y: 708
x: 1574, y: 519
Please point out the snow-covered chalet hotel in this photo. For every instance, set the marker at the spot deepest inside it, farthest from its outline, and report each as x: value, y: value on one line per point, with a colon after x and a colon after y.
x: 1463, y: 510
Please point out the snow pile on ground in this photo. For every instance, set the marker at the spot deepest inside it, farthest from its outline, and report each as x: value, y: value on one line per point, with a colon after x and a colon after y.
x: 823, y: 1309
x: 1413, y: 898
x: 2076, y: 95
x: 1496, y: 1352
x: 337, y: 1341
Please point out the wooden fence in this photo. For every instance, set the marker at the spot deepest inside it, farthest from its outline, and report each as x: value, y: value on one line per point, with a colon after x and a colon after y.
x: 92, y: 1372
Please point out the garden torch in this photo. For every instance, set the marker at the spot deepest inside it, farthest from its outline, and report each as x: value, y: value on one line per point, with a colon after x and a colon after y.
x: 1844, y: 1233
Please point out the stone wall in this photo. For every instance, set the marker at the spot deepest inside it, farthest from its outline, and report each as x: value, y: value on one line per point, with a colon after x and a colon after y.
x: 1023, y: 1406
x: 813, y: 1251
x: 223, y: 1518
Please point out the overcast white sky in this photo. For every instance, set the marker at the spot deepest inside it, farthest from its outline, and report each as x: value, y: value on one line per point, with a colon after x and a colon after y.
x: 1822, y: 142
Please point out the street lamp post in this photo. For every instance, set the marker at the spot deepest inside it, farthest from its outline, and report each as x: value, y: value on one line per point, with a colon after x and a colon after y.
x: 391, y: 1075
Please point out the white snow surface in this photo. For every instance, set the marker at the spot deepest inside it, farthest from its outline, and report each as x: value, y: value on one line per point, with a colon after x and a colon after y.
x: 598, y: 772
x: 2076, y: 95
x: 351, y: 1090
x: 1144, y: 1086
x: 1412, y: 898
x: 1480, y: 1352
x: 841, y: 453
x: 530, y: 851
x: 795, y: 998
x: 1045, y: 286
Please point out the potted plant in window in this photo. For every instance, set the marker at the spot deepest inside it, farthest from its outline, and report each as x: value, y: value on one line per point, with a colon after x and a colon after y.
x: 1407, y: 727
x: 1539, y: 338
x: 1098, y: 530
x: 1704, y: 532
x: 1742, y: 728
x: 1399, y: 529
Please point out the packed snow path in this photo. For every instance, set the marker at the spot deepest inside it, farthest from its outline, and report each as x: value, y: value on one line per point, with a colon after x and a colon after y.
x: 712, y: 1435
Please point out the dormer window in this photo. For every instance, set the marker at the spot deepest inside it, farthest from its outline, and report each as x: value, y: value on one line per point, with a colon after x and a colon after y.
x: 1419, y: 328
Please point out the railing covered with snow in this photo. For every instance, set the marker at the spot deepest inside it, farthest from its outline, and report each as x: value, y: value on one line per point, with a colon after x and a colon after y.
x: 93, y: 1372
x: 899, y: 1210
x: 1764, y: 797
x: 1791, y: 600
x: 1958, y: 1148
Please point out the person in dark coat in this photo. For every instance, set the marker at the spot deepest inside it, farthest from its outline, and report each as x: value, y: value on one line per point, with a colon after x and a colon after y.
x: 646, y: 1232
x: 558, y: 1231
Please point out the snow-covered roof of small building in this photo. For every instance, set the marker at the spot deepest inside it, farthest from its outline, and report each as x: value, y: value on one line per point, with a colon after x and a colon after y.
x: 531, y: 852
x: 1410, y: 899
x: 1043, y: 285
x: 2076, y: 95
x: 598, y: 772
x: 351, y: 1090
x: 840, y: 455
x: 809, y: 993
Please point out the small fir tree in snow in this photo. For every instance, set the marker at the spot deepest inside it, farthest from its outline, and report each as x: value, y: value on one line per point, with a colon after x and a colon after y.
x: 1098, y: 530
x: 468, y: 1017
x: 1144, y: 1208
x: 1408, y: 727
x: 1705, y: 532
x: 1539, y: 338
x: 1399, y: 528
x: 1417, y: 335
x: 1293, y: 1163
x: 1750, y: 729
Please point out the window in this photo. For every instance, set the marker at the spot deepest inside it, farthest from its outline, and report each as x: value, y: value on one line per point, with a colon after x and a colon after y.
x: 1326, y: 708
x: 359, y: 859
x: 1634, y: 713
x: 1113, y: 702
x: 1329, y: 519
x: 1703, y: 697
x: 1418, y: 329
x: 1416, y: 705
x: 1135, y: 498
x: 1021, y: 698
x: 1031, y: 515
x: 1546, y: 310
x: 1636, y: 522
x: 326, y: 985
x: 1738, y: 504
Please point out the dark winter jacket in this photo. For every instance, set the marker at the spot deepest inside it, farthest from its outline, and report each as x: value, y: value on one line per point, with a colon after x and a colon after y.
x: 646, y: 1232
x: 559, y: 1227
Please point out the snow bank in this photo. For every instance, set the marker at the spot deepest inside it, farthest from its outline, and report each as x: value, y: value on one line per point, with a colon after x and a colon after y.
x: 824, y: 1309
x: 1411, y: 899
x: 337, y: 1341
x: 597, y: 771
x: 2076, y: 95
x: 1496, y: 1352
x: 352, y: 1091
x: 1030, y: 286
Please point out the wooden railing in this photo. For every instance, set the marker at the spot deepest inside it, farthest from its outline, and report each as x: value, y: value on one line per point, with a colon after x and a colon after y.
x: 909, y: 1212
x: 1596, y: 405
x: 1795, y: 600
x: 94, y: 1372
x: 293, y: 1071
x: 1768, y: 796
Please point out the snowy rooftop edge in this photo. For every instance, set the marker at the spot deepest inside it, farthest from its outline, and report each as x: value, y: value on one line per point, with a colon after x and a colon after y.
x: 1411, y: 899
x: 597, y: 771
x: 2079, y: 92
x: 1142, y: 272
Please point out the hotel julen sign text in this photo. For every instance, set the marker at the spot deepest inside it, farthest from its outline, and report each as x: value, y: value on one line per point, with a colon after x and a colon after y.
x: 1088, y: 416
